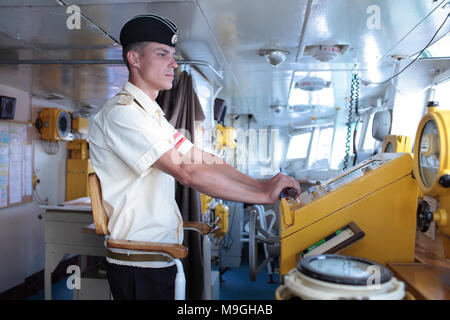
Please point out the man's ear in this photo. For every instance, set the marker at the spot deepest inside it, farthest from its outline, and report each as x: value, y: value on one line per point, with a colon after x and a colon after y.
x: 133, y: 59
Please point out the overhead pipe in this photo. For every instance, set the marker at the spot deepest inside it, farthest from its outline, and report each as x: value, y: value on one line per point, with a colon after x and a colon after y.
x: 105, y: 33
x: 191, y: 62
x: 201, y: 63
x: 305, y: 22
x: 62, y: 61
x: 300, y: 43
x: 103, y: 61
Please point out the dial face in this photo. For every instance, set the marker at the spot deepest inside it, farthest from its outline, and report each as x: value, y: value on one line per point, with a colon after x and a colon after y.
x: 341, y: 268
x: 429, y: 153
x: 63, y: 124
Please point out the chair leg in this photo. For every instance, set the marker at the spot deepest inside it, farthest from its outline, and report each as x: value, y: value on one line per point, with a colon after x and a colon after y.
x: 180, y: 281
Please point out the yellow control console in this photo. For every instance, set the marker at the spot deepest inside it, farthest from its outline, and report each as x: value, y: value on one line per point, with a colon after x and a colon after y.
x: 378, y: 198
x: 432, y: 169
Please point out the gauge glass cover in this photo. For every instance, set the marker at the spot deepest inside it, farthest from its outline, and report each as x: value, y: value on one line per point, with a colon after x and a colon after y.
x: 429, y: 153
x: 343, y: 269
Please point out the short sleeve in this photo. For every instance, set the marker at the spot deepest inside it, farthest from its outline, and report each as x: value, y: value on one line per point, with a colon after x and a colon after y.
x: 136, y: 138
x: 181, y: 143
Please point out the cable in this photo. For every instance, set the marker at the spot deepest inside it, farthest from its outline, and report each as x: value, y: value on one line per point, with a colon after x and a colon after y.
x: 35, y: 193
x: 50, y: 147
x: 417, y: 52
x: 354, y: 102
x: 355, y: 98
x: 365, y: 82
x: 347, y: 140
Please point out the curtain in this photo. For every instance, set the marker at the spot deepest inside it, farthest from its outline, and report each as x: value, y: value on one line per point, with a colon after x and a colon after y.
x: 182, y: 108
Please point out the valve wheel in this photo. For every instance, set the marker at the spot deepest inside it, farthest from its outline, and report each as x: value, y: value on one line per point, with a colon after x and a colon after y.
x: 424, y: 216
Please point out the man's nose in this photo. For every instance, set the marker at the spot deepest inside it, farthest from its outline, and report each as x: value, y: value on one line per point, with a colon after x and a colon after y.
x: 173, y: 63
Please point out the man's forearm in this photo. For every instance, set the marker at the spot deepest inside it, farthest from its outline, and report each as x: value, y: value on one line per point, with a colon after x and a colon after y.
x: 232, y: 173
x: 213, y: 180
x: 236, y: 175
x: 223, y: 182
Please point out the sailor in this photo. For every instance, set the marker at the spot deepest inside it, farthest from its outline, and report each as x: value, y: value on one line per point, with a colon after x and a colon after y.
x: 138, y: 155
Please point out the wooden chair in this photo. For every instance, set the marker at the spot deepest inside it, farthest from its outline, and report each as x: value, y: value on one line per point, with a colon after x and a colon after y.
x: 172, y: 251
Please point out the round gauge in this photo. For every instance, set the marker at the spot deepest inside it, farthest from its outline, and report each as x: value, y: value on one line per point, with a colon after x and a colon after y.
x: 429, y: 153
x: 389, y: 147
x: 344, y: 269
x: 63, y: 124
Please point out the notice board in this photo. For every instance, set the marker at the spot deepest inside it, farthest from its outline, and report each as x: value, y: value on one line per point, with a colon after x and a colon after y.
x: 16, y: 163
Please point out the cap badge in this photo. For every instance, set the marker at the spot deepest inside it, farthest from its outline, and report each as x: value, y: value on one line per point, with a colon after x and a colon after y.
x: 174, y: 39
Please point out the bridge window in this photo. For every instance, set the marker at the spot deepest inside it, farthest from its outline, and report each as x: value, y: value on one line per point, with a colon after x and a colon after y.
x: 369, y: 142
x: 298, y: 146
x: 441, y: 94
x: 321, y: 147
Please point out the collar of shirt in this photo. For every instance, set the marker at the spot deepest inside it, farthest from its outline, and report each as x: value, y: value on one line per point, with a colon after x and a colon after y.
x: 143, y: 99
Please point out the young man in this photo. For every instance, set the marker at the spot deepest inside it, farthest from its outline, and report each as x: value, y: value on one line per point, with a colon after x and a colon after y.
x: 137, y: 155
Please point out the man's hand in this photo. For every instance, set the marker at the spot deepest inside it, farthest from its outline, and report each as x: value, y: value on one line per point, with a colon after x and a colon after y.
x: 277, y: 184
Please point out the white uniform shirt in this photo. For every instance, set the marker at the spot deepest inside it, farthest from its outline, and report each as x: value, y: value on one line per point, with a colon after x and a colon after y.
x: 126, y: 137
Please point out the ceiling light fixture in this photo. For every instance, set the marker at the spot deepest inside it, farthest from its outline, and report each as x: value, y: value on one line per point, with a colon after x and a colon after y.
x: 312, y: 84
x: 325, y: 53
x: 274, y: 56
x: 277, y: 108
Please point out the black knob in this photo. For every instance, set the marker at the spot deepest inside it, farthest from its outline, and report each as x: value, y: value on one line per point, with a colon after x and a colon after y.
x: 289, y: 192
x: 424, y: 216
x: 445, y: 180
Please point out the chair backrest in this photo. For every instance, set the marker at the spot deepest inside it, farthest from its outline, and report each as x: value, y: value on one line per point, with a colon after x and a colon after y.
x: 98, y: 211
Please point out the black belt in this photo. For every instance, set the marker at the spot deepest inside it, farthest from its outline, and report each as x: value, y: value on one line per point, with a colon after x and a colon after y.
x: 137, y: 257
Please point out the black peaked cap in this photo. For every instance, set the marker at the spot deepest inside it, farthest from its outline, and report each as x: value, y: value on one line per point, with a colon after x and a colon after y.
x: 149, y: 27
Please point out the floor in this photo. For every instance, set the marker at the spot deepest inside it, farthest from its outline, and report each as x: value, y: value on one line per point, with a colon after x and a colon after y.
x: 60, y: 291
x: 237, y: 285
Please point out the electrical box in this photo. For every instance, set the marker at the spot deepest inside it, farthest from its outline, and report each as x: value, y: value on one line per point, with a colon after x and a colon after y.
x: 77, y: 171
x: 80, y: 125
x: 221, y: 211
x: 205, y: 201
x: 78, y: 149
x: 54, y: 124
x: 225, y: 137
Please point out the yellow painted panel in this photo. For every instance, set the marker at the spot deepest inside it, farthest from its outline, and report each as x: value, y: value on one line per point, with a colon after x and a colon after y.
x: 76, y: 179
x: 393, y: 167
x: 387, y: 217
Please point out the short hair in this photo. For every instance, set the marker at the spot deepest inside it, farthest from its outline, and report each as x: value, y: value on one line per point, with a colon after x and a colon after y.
x: 136, y: 46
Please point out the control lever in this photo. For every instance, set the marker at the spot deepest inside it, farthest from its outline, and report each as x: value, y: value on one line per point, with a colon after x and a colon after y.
x: 287, y: 217
x: 288, y: 193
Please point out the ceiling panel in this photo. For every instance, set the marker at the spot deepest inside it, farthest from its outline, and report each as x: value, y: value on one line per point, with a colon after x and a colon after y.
x: 226, y: 34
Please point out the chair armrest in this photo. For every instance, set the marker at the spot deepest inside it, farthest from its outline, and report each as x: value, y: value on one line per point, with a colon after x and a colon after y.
x: 201, y: 227
x: 177, y: 251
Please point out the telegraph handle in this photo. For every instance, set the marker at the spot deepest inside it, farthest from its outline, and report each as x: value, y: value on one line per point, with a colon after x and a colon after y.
x: 288, y: 193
